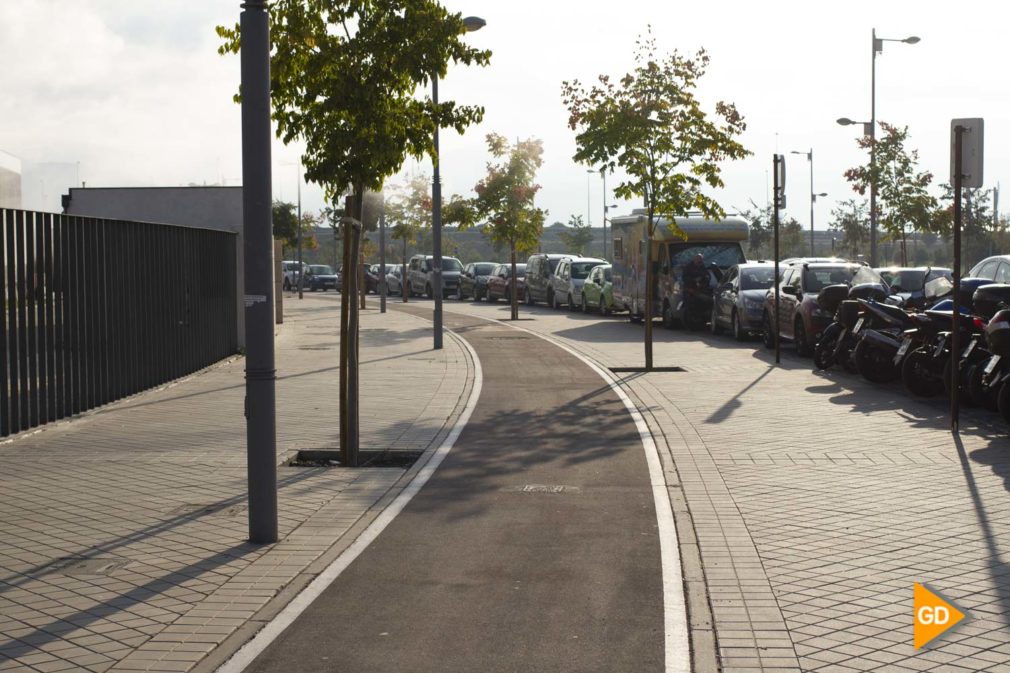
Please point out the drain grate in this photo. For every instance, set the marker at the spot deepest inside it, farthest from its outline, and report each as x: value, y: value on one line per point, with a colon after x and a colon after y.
x: 81, y: 565
x: 550, y: 489
x: 209, y: 509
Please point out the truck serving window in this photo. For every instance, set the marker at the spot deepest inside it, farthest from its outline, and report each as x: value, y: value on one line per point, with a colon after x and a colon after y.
x: 723, y: 255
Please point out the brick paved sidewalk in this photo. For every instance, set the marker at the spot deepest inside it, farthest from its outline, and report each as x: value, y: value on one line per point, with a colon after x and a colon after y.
x: 814, y: 501
x: 122, y: 532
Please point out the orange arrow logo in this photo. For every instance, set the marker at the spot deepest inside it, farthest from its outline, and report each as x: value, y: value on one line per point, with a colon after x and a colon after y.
x: 933, y: 615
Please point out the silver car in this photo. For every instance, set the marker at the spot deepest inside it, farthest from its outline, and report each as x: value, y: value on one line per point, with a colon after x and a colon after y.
x: 566, y: 285
x: 394, y: 279
x: 738, y: 300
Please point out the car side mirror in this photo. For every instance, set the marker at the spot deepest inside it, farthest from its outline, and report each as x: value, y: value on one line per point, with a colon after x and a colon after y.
x: 789, y: 289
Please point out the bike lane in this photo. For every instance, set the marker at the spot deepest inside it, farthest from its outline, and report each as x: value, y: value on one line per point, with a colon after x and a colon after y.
x: 533, y: 547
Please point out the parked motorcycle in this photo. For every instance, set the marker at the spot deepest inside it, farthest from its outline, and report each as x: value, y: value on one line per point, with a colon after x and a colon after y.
x: 880, y: 333
x: 984, y: 371
x: 919, y: 359
x: 839, y: 339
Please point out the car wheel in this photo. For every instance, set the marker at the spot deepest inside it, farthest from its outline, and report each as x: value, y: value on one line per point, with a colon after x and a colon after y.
x: 738, y: 332
x: 583, y: 304
x: 428, y: 292
x: 529, y: 298
x: 508, y: 296
x: 767, y: 333
x: 312, y: 288
x: 800, y: 338
x: 287, y: 285
x: 604, y: 311
x: 571, y: 304
x: 714, y: 325
x: 552, y: 300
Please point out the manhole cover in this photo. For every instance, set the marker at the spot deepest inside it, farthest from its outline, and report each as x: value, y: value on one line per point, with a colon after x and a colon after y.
x: 552, y: 489
x: 82, y: 565
x: 215, y: 509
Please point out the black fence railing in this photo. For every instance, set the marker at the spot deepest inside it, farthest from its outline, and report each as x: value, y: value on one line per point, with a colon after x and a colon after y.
x: 95, y: 310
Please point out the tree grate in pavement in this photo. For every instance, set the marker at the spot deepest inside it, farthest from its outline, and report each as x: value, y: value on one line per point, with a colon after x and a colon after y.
x: 85, y: 566
x: 374, y: 458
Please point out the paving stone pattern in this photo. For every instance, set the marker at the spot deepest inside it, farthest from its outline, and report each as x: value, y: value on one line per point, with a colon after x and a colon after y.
x: 122, y: 532
x: 818, y: 499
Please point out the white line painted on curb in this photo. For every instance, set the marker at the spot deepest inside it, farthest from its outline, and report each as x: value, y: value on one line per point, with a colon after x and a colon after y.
x: 678, y: 647
x: 248, y: 652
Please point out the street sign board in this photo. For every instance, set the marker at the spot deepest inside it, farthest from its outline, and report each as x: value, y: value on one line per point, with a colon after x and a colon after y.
x: 780, y: 180
x: 971, y: 151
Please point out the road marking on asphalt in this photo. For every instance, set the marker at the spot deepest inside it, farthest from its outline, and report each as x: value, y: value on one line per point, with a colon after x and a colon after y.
x: 275, y: 627
x: 678, y: 648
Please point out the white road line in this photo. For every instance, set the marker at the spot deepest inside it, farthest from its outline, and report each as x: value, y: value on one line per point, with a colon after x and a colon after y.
x: 678, y: 647
x: 248, y: 653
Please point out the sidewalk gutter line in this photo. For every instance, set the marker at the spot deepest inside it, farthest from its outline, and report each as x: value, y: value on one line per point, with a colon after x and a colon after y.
x: 275, y: 627
x: 678, y: 648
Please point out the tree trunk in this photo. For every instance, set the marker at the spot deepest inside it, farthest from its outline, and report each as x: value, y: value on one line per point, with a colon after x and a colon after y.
x: 404, y: 292
x: 361, y: 278
x: 515, y: 285
x: 349, y: 343
x: 346, y: 298
x: 904, y: 247
x: 648, y: 292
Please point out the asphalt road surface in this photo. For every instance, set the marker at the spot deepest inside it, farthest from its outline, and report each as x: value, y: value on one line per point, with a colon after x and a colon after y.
x: 486, y: 570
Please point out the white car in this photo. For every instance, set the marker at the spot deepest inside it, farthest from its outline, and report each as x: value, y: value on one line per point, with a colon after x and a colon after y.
x: 566, y: 284
x: 289, y: 269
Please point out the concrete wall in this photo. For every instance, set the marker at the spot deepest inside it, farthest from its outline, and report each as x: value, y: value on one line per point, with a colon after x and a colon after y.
x: 217, y: 208
x: 10, y: 181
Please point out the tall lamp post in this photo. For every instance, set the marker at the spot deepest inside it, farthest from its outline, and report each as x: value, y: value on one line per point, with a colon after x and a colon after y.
x: 877, y: 47
x: 813, y: 196
x: 606, y: 207
x: 470, y: 23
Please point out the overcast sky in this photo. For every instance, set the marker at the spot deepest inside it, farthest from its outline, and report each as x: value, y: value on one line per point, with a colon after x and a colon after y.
x: 135, y: 91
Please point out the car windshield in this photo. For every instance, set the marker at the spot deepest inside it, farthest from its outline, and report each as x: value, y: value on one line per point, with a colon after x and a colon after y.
x: 520, y: 270
x: 553, y: 264
x: 905, y: 280
x: 757, y: 278
x: 451, y: 264
x: 817, y: 278
x: 581, y: 269
x: 483, y: 269
x: 721, y: 254
x: 321, y: 270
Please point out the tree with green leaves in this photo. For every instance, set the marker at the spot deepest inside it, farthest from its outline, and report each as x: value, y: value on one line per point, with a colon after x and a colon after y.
x: 850, y: 221
x: 903, y: 198
x: 578, y: 236
x: 343, y: 79
x: 650, y: 124
x: 505, y: 201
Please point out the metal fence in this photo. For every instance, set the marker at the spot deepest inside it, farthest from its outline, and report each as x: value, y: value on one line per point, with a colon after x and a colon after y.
x: 95, y: 310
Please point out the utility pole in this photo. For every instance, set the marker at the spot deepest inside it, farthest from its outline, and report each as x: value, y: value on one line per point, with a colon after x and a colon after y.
x: 382, y: 254
x: 436, y: 228
x: 260, y: 402
x: 603, y: 174
x: 301, y: 268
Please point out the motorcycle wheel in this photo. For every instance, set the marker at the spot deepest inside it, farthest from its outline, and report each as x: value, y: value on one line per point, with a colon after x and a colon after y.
x: 916, y: 376
x: 1003, y: 402
x: 824, y: 353
x: 979, y: 393
x: 873, y: 364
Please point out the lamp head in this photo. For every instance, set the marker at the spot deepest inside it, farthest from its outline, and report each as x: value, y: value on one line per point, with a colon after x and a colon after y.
x: 472, y: 23
x: 911, y: 40
x: 845, y: 121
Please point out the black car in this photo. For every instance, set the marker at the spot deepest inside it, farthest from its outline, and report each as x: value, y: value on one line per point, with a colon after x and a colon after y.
x: 473, y: 280
x: 320, y: 277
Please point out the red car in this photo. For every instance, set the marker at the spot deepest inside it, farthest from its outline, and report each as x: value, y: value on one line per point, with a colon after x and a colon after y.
x: 499, y: 283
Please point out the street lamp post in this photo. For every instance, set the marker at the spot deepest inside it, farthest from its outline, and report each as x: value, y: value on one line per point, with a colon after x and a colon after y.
x: 589, y: 219
x: 470, y: 23
x: 877, y: 48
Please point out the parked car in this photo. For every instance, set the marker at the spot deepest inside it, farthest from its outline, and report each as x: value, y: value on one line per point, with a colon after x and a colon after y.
x: 499, y: 283
x: 598, y: 290
x: 320, y: 277
x: 570, y: 274
x: 802, y: 319
x: 372, y: 277
x: 394, y: 279
x: 289, y: 269
x: 739, y: 300
x: 909, y: 283
x: 473, y: 280
x: 539, y: 274
x: 420, y: 275
x: 996, y: 269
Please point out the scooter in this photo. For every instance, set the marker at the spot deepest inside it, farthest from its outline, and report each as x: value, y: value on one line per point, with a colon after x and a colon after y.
x: 879, y: 343
x: 839, y: 339
x: 983, y: 369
